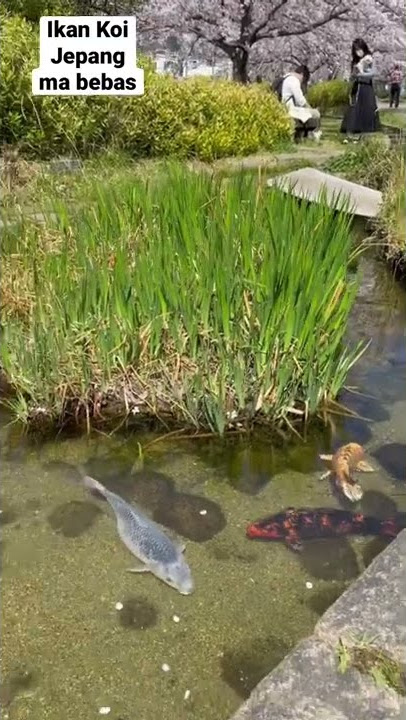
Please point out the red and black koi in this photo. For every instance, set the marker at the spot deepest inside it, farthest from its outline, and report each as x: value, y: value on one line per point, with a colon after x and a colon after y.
x: 293, y: 526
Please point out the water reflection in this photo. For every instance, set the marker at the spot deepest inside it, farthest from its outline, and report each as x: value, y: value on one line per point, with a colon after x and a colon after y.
x: 249, y: 466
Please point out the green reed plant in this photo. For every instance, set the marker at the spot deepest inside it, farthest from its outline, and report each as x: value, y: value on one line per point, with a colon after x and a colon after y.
x: 182, y: 297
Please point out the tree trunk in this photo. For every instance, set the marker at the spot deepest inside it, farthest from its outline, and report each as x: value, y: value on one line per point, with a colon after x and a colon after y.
x: 240, y: 66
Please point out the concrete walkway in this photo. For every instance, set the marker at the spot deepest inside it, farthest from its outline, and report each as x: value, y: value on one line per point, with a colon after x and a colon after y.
x: 314, y: 155
x: 307, y: 684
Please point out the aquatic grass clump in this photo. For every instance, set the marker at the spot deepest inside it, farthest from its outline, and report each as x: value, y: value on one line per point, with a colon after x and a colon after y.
x: 195, y: 301
x: 363, y: 655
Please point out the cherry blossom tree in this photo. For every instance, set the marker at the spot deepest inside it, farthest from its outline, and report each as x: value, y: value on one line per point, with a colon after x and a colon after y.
x: 393, y: 9
x: 262, y: 36
x: 327, y: 51
x: 236, y: 26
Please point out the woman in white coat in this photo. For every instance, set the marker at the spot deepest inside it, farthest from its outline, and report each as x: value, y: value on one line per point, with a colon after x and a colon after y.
x: 296, y: 103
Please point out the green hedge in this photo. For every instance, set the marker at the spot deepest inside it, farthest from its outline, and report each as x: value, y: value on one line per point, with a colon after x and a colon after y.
x: 201, y: 117
x: 329, y: 95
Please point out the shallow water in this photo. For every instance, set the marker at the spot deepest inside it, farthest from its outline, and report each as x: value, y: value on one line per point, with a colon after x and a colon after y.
x: 67, y: 651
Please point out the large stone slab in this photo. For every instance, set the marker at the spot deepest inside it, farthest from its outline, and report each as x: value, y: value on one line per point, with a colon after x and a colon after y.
x: 307, y: 686
x: 309, y: 184
x: 375, y: 604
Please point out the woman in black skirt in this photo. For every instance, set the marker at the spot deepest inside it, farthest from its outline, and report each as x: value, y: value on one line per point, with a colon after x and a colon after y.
x: 362, y: 114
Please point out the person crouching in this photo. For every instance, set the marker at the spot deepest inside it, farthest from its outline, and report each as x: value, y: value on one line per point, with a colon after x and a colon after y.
x: 296, y: 103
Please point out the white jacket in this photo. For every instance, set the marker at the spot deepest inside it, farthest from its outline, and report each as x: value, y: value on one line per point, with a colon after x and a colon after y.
x: 293, y: 98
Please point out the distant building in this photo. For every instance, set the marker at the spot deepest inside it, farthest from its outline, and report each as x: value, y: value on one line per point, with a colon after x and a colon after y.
x: 191, y: 67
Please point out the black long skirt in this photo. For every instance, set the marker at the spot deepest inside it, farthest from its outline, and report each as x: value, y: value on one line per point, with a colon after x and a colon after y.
x: 362, y: 114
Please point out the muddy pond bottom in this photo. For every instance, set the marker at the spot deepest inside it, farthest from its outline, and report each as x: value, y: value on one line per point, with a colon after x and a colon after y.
x: 83, y: 638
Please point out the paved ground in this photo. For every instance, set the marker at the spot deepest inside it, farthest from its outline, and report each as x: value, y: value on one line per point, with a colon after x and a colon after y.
x: 307, y: 684
x: 307, y: 153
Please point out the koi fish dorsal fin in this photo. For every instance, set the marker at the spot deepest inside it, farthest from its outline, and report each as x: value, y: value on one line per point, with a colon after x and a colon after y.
x: 326, y: 458
x: 363, y: 466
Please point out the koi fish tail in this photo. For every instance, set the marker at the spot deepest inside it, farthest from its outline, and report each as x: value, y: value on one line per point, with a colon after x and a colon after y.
x: 352, y: 490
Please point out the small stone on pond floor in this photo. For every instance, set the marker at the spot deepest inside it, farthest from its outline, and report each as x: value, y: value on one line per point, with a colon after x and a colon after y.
x: 165, y: 667
x: 309, y: 585
x: 119, y: 606
x: 104, y: 710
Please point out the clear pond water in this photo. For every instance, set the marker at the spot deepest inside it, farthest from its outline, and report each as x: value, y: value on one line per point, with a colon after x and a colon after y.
x: 67, y: 651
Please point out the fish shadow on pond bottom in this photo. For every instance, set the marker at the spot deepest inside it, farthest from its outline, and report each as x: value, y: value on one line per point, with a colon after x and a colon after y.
x: 227, y: 553
x: 8, y: 515
x: 73, y: 518
x: 320, y: 601
x: 152, y: 489
x: 373, y: 503
x: 243, y: 668
x: 182, y: 515
x: 194, y: 517
x: 392, y: 457
x: 137, y: 613
x: 377, y: 504
x: 177, y: 511
x: 329, y: 559
x: 15, y: 684
x: 148, y: 487
x: 374, y: 548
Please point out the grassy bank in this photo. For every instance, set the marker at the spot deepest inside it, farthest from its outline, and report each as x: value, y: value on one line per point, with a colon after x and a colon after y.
x: 373, y: 164
x: 394, y: 118
x: 183, y: 299
x: 390, y: 227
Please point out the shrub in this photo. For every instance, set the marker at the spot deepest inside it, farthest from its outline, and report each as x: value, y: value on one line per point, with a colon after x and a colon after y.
x: 329, y: 95
x: 33, y: 10
x: 200, y: 117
